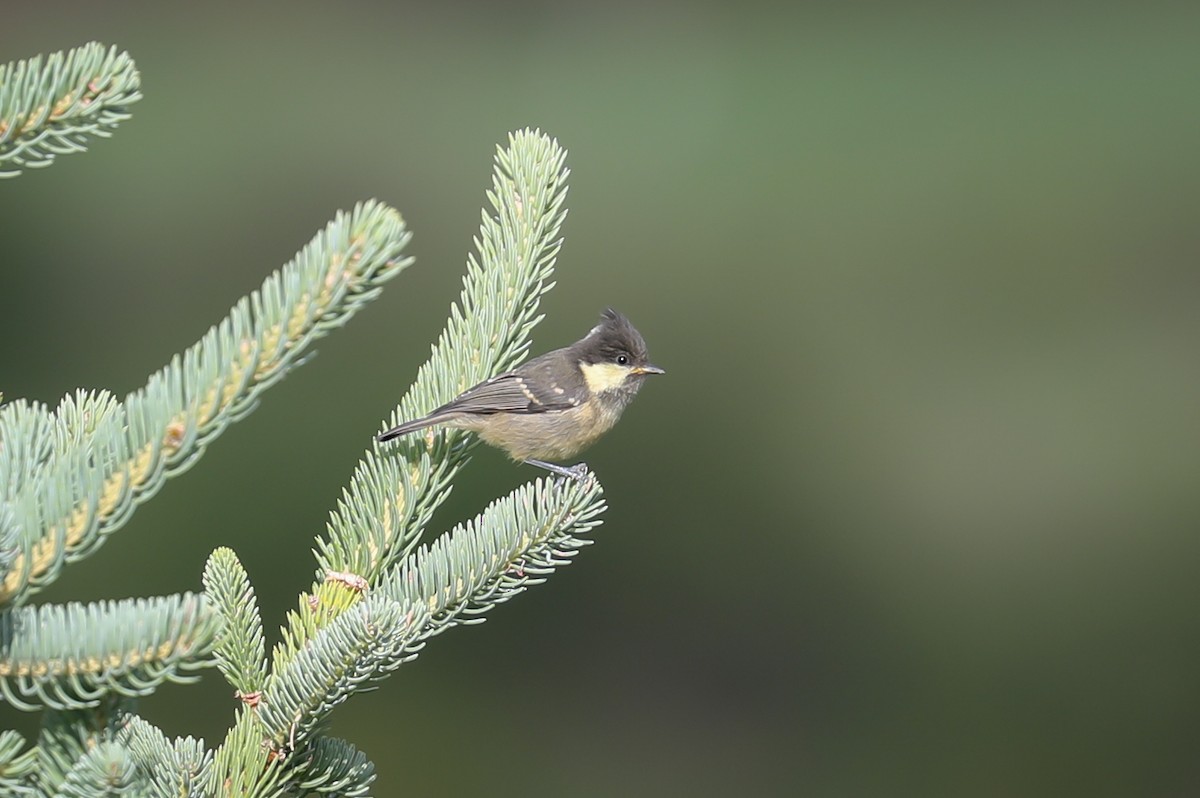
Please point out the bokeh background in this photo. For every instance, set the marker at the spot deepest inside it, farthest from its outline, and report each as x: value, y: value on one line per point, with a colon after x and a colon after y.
x: 915, y: 510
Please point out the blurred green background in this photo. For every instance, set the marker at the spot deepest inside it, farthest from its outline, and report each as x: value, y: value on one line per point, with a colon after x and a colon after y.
x: 914, y: 511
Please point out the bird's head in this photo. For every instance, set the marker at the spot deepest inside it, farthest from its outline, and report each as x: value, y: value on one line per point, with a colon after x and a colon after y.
x: 613, y: 356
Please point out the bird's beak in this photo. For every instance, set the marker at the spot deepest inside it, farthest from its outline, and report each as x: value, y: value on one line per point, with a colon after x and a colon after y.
x: 647, y: 370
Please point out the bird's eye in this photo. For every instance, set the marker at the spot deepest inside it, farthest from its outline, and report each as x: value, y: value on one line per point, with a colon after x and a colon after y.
x: 622, y: 360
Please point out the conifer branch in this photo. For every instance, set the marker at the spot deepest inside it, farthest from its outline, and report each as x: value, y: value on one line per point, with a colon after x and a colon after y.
x: 64, y: 737
x: 51, y: 106
x: 64, y: 512
x: 71, y: 476
x: 10, y: 538
x: 168, y: 770
x: 360, y: 646
x: 335, y: 767
x: 73, y: 656
x: 243, y: 764
x: 56, y: 466
x: 16, y: 765
x: 512, y: 545
x: 394, y: 492
x: 67, y: 736
x: 104, y: 770
x: 328, y: 650
x: 240, y: 648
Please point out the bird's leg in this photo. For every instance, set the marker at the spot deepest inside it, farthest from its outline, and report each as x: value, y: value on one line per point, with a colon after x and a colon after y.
x: 576, y: 472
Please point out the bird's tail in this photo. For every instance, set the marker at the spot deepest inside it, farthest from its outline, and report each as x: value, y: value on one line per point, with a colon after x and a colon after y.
x: 410, y: 426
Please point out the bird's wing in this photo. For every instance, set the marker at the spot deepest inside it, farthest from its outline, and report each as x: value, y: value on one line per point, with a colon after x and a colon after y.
x: 514, y: 392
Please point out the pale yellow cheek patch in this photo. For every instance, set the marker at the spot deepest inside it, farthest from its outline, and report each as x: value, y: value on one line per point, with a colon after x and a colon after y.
x: 602, y: 377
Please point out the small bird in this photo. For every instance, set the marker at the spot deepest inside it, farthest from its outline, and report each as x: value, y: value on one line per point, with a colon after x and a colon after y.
x: 553, y: 406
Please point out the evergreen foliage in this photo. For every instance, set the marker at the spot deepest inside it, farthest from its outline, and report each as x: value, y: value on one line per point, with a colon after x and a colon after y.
x: 72, y: 475
x: 52, y: 106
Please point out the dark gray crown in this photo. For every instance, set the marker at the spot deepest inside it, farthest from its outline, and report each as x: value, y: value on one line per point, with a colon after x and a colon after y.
x: 612, y: 337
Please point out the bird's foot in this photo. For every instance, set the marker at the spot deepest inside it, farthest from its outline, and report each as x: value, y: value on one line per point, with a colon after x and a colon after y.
x: 578, y: 472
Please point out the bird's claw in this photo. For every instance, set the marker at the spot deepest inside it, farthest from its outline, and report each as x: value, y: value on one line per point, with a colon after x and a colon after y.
x: 578, y: 472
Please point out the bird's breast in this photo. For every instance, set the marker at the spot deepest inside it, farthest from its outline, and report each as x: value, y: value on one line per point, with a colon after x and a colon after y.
x: 555, y: 435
